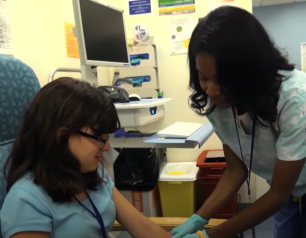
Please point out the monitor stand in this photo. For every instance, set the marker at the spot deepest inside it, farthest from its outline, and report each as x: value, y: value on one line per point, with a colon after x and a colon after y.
x: 90, y: 75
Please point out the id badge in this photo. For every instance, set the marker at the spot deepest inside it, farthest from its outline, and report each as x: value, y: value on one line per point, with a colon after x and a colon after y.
x: 247, y: 158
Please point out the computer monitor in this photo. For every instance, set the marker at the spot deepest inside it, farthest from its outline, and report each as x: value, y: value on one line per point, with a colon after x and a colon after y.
x: 100, y: 31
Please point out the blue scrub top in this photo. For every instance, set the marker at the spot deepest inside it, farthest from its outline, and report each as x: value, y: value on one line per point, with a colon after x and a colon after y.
x: 285, y: 139
x: 27, y: 207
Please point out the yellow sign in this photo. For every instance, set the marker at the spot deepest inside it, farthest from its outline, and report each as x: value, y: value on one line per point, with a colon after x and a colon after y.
x: 186, y: 43
x: 72, y: 47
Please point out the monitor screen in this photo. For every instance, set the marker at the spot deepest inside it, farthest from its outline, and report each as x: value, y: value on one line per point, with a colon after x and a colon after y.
x: 104, y: 33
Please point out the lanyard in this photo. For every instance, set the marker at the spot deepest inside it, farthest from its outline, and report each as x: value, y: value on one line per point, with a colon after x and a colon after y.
x: 96, y: 214
x: 248, y: 179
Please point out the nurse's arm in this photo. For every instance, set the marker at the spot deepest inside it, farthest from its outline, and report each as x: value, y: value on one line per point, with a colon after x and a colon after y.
x: 285, y: 176
x: 230, y: 182
x: 136, y: 224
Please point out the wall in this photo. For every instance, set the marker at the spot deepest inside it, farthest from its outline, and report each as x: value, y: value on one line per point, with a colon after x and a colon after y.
x: 39, y: 40
x: 38, y: 34
x: 39, y: 37
x: 286, y: 24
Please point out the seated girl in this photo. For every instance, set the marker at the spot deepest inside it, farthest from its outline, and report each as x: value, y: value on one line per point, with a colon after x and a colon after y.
x: 55, y: 182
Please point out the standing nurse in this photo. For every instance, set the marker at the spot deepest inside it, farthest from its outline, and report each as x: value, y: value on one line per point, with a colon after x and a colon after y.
x: 256, y: 102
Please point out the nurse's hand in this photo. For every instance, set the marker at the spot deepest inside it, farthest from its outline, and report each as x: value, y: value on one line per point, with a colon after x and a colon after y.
x: 192, y: 225
x: 196, y: 235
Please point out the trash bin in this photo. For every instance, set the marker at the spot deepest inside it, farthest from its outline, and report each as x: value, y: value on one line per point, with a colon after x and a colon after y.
x: 177, y: 189
x: 136, y: 169
x: 136, y: 177
x: 212, y: 166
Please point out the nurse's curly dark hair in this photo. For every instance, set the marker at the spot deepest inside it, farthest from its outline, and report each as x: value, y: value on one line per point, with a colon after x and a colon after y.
x: 41, y: 149
x: 248, y: 63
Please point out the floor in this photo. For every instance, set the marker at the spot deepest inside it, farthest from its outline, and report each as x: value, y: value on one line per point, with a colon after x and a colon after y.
x: 263, y: 230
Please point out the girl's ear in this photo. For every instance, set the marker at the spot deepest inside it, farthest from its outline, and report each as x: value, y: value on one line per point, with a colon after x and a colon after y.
x: 59, y: 133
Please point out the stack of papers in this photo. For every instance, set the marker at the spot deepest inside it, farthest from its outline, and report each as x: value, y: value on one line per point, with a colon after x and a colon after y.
x: 179, y: 130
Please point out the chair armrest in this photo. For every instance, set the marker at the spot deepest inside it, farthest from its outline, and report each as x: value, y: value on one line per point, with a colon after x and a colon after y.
x: 168, y: 223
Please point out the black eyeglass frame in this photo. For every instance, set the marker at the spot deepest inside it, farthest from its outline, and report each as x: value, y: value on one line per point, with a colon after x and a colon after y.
x: 97, y: 138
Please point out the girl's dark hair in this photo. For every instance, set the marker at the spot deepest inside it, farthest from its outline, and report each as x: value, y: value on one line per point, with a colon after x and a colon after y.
x: 247, y: 63
x: 42, y: 152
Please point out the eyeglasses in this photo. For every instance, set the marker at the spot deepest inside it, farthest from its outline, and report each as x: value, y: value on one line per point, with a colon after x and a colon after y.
x: 97, y: 138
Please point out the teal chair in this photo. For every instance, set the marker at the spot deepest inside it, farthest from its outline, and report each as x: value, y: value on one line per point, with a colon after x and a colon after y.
x: 18, y: 85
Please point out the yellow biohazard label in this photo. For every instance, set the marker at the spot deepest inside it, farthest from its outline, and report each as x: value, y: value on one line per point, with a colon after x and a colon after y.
x: 177, y: 172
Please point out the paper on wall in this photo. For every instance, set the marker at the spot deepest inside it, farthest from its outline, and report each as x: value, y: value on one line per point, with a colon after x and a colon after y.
x: 174, y: 7
x: 139, y: 7
x: 6, y: 43
x: 213, y: 4
x: 303, y: 55
x: 180, y: 30
x: 72, y: 48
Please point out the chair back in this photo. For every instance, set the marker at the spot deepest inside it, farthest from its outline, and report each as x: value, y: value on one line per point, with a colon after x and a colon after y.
x: 18, y: 85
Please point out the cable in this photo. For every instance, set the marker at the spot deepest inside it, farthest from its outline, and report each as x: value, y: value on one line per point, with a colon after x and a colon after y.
x: 137, y: 130
x: 253, y: 232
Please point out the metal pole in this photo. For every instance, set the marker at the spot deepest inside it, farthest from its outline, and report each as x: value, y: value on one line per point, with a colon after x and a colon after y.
x: 55, y: 70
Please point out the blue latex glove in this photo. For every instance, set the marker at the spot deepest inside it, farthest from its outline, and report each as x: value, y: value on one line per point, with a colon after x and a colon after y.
x: 193, y: 224
x: 195, y: 235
